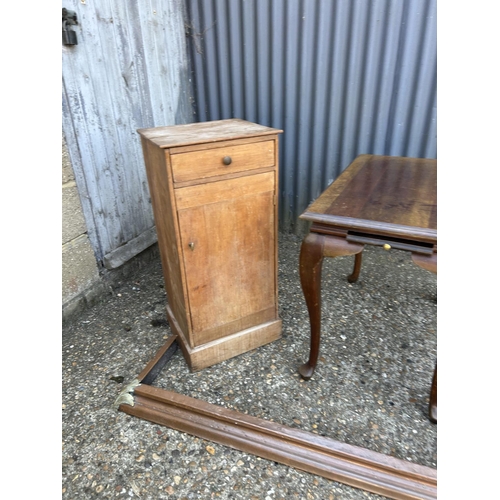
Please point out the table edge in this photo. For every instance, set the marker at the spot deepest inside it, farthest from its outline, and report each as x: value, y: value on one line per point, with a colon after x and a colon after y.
x: 375, y: 227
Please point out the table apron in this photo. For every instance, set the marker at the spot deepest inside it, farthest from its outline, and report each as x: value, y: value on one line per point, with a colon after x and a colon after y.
x: 397, y: 243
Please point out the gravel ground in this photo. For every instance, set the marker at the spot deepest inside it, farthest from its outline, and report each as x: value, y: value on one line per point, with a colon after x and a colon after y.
x: 371, y: 386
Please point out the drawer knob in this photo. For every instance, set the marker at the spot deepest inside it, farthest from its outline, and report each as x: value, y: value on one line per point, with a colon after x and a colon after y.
x: 191, y: 245
x: 227, y: 160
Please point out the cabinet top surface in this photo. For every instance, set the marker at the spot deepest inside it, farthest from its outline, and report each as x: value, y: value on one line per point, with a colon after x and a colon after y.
x: 204, y: 132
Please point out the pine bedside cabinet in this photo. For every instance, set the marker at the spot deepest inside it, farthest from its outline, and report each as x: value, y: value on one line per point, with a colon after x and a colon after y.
x: 213, y: 189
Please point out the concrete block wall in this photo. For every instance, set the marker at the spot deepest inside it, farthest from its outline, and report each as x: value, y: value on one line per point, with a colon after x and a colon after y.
x: 82, y: 284
x: 85, y: 282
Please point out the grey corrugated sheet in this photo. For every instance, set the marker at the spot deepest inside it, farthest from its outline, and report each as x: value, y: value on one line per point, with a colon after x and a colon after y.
x: 341, y: 78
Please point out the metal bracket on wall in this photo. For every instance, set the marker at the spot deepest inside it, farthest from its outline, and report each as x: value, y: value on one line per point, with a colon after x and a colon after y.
x: 68, y: 20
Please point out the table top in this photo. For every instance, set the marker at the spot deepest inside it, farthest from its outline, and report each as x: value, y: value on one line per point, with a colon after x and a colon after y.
x: 391, y: 196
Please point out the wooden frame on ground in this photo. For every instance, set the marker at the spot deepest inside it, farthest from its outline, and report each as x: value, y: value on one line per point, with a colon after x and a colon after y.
x: 326, y: 457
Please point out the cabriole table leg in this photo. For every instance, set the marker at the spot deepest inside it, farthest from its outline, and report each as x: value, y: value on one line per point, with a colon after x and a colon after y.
x: 311, y: 263
x: 429, y: 263
x: 352, y: 278
x: 314, y: 247
x: 433, y: 409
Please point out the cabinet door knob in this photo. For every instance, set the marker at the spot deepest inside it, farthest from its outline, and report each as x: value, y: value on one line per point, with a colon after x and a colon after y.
x: 227, y: 160
x: 191, y: 245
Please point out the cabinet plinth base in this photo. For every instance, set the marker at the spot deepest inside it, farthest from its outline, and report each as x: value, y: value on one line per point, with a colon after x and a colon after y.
x: 227, y: 347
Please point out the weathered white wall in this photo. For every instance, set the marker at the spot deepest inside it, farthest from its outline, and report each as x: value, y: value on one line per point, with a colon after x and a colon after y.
x: 129, y: 70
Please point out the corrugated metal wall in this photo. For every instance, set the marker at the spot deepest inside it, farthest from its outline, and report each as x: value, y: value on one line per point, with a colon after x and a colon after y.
x: 340, y: 78
x: 129, y: 70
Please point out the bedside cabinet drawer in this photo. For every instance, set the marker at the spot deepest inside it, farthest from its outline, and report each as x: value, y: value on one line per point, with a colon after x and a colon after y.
x: 220, y: 161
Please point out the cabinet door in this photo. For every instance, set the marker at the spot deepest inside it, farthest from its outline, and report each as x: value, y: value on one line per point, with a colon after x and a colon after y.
x: 228, y: 240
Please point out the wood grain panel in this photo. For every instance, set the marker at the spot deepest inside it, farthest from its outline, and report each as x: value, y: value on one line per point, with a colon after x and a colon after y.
x: 203, y: 194
x: 229, y: 271
x: 162, y: 200
x: 226, y: 347
x: 219, y: 144
x: 205, y: 132
x: 240, y: 324
x: 209, y: 162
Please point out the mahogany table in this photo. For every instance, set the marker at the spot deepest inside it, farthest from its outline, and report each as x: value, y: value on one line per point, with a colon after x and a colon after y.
x: 386, y: 201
